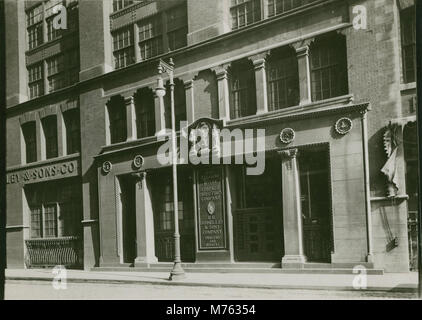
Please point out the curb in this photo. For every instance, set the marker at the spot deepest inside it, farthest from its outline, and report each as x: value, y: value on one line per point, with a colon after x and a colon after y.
x: 219, y: 285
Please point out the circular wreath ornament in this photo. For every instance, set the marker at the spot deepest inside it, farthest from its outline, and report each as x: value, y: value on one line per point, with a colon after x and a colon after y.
x: 211, y: 208
x: 138, y: 161
x: 287, y: 135
x: 343, y: 125
x: 107, y: 166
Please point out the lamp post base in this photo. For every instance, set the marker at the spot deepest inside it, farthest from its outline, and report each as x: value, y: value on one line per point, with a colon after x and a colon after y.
x: 177, y: 273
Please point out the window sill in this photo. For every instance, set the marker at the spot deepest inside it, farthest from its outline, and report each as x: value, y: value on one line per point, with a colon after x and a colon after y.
x: 407, y: 86
x: 317, y: 106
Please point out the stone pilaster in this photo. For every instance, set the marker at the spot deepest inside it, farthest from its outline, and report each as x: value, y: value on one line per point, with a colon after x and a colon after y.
x: 190, y: 108
x: 144, y: 222
x: 260, y: 83
x: 130, y: 118
x: 302, y: 53
x: 292, y: 212
x: 223, y: 92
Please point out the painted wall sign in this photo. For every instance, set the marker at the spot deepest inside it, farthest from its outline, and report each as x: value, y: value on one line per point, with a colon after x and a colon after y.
x: 44, y: 173
x: 211, y: 216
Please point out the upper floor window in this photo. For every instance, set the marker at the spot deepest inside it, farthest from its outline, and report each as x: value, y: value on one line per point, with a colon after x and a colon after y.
x: 43, y: 16
x: 29, y: 136
x: 50, y: 135
x: 177, y: 27
x: 150, y: 37
x: 73, y: 140
x: 242, y: 89
x: 117, y: 119
x: 35, y: 80
x: 145, y: 113
x: 123, y: 49
x: 120, y: 4
x: 328, y: 67
x: 281, y: 6
x: 283, y: 79
x: 62, y: 70
x: 245, y: 12
x: 408, y: 43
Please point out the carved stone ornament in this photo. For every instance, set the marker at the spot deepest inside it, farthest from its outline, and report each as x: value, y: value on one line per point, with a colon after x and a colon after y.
x: 343, y: 126
x: 138, y: 161
x: 287, y: 135
x: 107, y: 166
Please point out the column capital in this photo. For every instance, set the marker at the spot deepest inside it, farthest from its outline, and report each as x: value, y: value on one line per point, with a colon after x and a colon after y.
x: 289, y: 153
x: 259, y: 56
x: 221, y: 71
x: 302, y: 47
x: 259, y: 64
x: 139, y: 176
x: 129, y: 100
x: 188, y: 84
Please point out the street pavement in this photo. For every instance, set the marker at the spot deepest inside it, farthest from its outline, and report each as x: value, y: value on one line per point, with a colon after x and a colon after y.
x: 43, y: 290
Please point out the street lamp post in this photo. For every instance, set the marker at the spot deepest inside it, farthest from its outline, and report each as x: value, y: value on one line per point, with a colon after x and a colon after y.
x: 177, y: 272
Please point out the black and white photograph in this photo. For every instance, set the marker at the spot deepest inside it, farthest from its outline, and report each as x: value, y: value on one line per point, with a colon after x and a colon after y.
x: 214, y: 150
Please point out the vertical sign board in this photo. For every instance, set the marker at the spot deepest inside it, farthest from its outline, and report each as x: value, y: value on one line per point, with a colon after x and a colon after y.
x: 211, y: 214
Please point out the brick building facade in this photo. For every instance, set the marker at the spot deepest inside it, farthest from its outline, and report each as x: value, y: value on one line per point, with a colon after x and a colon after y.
x: 84, y: 125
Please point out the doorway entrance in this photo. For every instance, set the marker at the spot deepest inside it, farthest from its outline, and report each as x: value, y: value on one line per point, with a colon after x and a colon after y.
x: 316, y: 204
x: 128, y: 218
x: 257, y: 219
x: 164, y: 215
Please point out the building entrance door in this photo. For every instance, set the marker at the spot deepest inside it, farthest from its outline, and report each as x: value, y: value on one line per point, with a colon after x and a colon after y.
x: 128, y: 218
x: 164, y: 215
x: 257, y: 219
x: 315, y: 201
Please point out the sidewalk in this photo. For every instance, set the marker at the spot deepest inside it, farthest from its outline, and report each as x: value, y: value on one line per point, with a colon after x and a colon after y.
x: 397, y: 282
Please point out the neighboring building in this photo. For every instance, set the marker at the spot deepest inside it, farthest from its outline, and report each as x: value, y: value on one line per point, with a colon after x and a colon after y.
x: 84, y: 125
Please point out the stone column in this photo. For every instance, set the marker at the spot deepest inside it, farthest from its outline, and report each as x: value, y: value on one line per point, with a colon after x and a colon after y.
x: 61, y: 134
x: 189, y: 91
x: 223, y: 93
x: 130, y: 118
x: 144, y: 222
x: 302, y: 52
x: 260, y: 83
x: 160, y: 120
x: 292, y: 212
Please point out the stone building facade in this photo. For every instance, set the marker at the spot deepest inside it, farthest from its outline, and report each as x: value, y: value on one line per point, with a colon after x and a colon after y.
x: 331, y: 82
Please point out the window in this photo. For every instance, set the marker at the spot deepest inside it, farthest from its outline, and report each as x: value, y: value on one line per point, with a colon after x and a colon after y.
x: 242, y: 89
x: 123, y: 49
x: 35, y: 80
x: 71, y: 120
x: 29, y: 135
x: 281, y: 6
x: 55, y: 209
x: 283, y: 79
x: 245, y: 12
x: 50, y: 134
x: 150, y: 37
x: 117, y: 117
x: 177, y: 28
x: 63, y: 70
x: 328, y: 67
x: 34, y: 19
x: 145, y: 113
x: 120, y: 4
x: 408, y: 43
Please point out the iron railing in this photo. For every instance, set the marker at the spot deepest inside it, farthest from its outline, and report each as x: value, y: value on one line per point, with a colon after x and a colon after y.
x: 49, y: 252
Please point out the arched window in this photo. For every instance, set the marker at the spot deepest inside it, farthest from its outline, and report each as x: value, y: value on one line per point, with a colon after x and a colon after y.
x: 283, y: 79
x: 117, y: 118
x: 329, y: 67
x: 145, y: 113
x: 242, y: 89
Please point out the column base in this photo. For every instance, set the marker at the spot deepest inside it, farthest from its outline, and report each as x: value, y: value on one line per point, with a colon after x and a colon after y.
x: 370, y: 258
x: 177, y: 273
x: 145, y: 261
x: 293, y: 261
